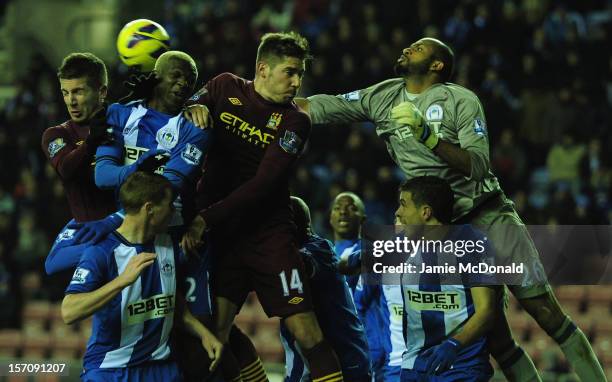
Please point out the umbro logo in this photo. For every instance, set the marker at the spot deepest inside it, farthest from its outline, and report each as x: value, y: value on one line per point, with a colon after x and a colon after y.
x: 296, y: 300
x: 234, y: 101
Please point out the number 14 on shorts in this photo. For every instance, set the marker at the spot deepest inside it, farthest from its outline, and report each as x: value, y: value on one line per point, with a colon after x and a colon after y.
x: 295, y: 283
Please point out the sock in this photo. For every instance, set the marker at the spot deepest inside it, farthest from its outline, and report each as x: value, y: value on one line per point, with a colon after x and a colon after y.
x: 254, y: 372
x: 578, y: 352
x: 229, y: 366
x: 517, y: 366
x: 323, y: 363
x: 251, y: 368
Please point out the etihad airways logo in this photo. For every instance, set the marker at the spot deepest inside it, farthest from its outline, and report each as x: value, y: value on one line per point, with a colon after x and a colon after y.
x: 245, y: 130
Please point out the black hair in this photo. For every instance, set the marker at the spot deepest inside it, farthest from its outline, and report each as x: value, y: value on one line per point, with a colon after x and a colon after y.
x: 88, y: 65
x: 434, y: 192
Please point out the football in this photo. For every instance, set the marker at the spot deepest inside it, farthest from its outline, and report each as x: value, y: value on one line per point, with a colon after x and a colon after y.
x: 140, y: 42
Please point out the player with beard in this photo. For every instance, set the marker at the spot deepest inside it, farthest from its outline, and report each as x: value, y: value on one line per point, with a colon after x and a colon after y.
x: 433, y: 127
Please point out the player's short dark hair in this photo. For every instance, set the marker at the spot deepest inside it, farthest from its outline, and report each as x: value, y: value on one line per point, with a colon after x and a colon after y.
x: 434, y: 192
x: 285, y: 44
x: 301, y: 218
x: 142, y: 187
x: 444, y: 53
x: 88, y: 65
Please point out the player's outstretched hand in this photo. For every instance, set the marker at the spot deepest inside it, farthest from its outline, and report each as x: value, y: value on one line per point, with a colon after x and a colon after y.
x: 135, y: 266
x: 213, y: 347
x: 192, y: 239
x: 100, y: 133
x: 140, y: 86
x: 441, y: 357
x: 199, y: 115
x: 95, y: 231
x: 152, y: 160
x: 406, y: 113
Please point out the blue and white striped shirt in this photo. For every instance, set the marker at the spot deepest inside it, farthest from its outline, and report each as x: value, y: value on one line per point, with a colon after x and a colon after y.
x: 133, y: 328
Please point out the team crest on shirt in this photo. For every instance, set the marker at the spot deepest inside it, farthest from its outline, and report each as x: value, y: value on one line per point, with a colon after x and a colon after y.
x: 79, y: 276
x: 167, y: 137
x: 290, y: 142
x: 191, y: 154
x: 434, y: 113
x: 55, y: 146
x: 274, y: 121
x: 167, y: 269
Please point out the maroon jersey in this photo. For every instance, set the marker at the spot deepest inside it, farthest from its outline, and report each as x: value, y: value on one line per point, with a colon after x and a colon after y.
x: 73, y: 160
x: 255, y: 145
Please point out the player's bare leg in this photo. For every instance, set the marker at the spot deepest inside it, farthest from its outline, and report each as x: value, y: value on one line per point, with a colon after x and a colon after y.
x: 322, y: 359
x: 515, y: 363
x: 547, y: 312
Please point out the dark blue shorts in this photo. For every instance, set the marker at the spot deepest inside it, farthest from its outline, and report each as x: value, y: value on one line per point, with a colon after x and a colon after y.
x: 475, y: 374
x: 162, y: 371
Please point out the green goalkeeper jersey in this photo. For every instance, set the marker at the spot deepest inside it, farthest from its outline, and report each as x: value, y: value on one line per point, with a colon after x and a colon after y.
x: 453, y: 112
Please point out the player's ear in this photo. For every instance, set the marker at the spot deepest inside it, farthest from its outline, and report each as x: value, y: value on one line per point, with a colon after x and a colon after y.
x: 102, y: 93
x: 436, y: 66
x: 148, y: 208
x: 426, y: 213
x: 262, y: 69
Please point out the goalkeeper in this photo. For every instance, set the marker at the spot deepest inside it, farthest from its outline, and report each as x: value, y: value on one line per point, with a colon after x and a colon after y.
x: 433, y: 127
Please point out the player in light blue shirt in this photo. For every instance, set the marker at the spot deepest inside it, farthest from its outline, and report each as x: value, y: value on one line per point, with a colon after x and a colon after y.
x: 445, y: 324
x: 379, y: 306
x: 128, y: 283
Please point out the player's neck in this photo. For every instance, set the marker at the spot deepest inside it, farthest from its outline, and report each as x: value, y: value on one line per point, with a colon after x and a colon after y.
x: 349, y: 237
x: 262, y: 91
x: 134, y: 231
x: 435, y: 231
x: 158, y: 105
x: 418, y: 84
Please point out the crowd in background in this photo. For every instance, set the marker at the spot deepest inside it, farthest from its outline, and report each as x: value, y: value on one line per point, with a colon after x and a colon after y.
x: 542, y: 70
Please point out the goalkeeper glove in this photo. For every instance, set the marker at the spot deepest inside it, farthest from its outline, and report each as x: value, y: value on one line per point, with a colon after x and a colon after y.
x: 406, y: 113
x: 441, y: 357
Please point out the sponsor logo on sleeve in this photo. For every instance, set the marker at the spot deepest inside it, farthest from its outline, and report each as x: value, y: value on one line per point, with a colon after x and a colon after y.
x: 79, y: 276
x: 55, y: 146
x: 191, y: 154
x: 434, y: 113
x: 479, y: 126
x: 290, y: 142
x: 352, y: 96
x: 234, y: 101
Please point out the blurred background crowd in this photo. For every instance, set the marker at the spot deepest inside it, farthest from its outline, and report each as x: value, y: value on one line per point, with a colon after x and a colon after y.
x: 542, y: 70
